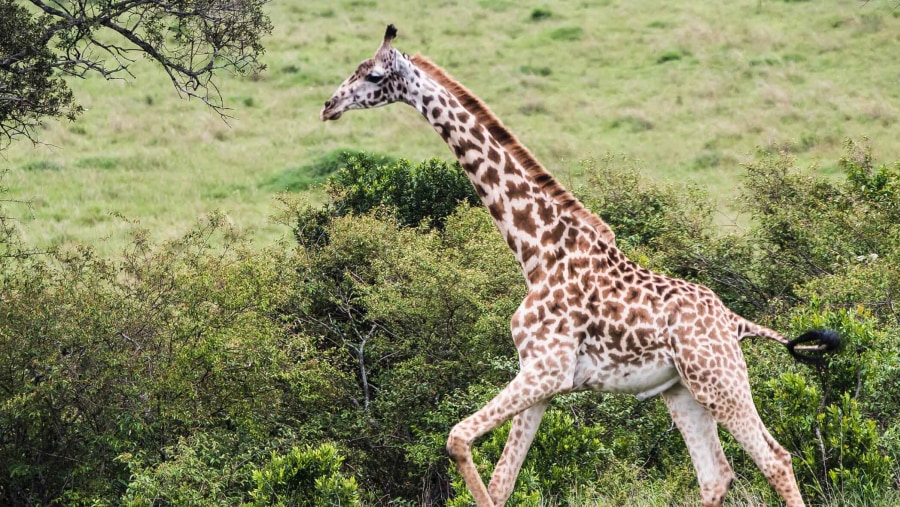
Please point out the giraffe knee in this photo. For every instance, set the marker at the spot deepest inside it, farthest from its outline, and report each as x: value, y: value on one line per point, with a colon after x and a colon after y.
x: 457, y: 445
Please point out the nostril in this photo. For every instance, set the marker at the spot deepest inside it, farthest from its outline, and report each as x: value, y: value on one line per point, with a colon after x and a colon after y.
x: 328, y: 103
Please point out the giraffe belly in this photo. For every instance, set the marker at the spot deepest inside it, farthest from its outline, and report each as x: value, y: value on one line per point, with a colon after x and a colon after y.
x: 642, y: 380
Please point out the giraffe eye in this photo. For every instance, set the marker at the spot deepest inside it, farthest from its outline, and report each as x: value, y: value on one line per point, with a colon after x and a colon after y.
x: 374, y: 78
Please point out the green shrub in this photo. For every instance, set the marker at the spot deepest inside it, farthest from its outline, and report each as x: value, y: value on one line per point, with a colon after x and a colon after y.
x: 564, y: 457
x: 308, y: 477
x: 825, y: 421
x: 540, y: 14
x: 128, y: 356
x: 199, y: 470
x: 430, y: 190
x: 672, y: 55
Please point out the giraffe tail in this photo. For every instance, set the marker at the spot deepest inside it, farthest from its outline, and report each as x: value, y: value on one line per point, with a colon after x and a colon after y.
x: 827, y: 341
x: 808, y: 348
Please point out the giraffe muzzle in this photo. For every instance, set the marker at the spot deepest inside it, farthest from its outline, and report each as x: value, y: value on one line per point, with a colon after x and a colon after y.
x: 327, y: 113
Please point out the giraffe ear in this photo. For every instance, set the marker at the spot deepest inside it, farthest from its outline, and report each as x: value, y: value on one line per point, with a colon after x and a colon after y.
x: 390, y: 34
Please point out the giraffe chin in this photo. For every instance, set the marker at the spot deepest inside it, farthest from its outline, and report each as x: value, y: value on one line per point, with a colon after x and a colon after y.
x: 326, y: 115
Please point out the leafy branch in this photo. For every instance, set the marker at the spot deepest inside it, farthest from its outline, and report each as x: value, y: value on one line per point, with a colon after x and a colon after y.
x: 191, y: 40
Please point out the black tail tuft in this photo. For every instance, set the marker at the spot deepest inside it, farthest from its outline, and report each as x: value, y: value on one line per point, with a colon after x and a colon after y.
x: 828, y: 340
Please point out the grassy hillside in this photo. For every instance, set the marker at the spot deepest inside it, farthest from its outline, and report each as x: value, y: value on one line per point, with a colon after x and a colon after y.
x: 689, y: 89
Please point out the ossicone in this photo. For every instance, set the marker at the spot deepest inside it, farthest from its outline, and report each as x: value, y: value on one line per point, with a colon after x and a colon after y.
x: 391, y: 33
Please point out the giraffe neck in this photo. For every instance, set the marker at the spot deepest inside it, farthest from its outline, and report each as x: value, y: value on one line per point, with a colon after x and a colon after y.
x: 540, y: 221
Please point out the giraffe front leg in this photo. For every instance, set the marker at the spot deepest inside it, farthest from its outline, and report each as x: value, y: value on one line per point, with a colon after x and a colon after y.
x: 529, y: 388
x: 521, y: 434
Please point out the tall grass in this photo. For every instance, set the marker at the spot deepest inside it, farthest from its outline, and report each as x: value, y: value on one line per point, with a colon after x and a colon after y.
x: 689, y: 88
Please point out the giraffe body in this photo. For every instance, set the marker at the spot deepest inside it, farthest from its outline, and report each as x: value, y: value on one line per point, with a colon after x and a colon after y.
x: 592, y: 318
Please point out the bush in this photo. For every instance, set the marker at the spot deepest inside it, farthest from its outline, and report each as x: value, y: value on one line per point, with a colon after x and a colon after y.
x: 304, y: 478
x: 430, y: 190
x: 104, y: 358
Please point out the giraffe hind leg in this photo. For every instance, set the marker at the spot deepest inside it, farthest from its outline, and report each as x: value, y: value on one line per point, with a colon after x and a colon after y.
x: 731, y: 405
x: 770, y: 457
x: 698, y: 428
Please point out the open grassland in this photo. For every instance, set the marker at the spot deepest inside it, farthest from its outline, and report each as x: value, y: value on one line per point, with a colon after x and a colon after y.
x: 690, y: 89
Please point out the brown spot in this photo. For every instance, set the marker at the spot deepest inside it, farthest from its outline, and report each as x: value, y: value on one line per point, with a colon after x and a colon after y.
x: 579, y: 318
x: 463, y: 116
x: 528, y: 251
x: 491, y: 176
x: 644, y: 336
x: 552, y: 236
x: 612, y: 310
x: 562, y: 327
x: 599, y: 264
x: 557, y: 277
x: 496, y: 209
x: 493, y: 155
x: 615, y: 334
x: 478, y: 135
x: 436, y: 112
x: 510, y: 166
x: 511, y: 242
x: 571, y: 237
x: 637, y: 315
x: 583, y: 244
x: 632, y: 296
x: 524, y: 221
x: 545, y: 210
x: 472, y: 167
x: 517, y: 190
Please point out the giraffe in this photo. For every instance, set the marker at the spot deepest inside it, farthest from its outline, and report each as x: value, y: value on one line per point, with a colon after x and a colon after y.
x: 592, y: 319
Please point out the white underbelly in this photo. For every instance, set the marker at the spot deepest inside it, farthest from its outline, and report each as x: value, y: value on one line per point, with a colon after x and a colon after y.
x: 643, y: 381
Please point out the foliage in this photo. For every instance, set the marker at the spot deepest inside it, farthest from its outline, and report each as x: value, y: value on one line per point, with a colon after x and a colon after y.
x: 103, y: 358
x: 304, y: 478
x: 408, y: 316
x: 429, y: 190
x: 29, y: 90
x: 202, y: 371
x: 190, y: 39
x: 198, y: 470
x: 826, y: 421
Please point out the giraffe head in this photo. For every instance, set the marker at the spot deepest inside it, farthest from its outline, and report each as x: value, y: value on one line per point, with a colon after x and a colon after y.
x: 377, y: 81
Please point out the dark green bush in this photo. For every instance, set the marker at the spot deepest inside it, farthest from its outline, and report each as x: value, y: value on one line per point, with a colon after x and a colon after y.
x: 429, y: 190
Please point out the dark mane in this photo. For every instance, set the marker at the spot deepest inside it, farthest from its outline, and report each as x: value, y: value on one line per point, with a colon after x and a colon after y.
x: 508, y: 141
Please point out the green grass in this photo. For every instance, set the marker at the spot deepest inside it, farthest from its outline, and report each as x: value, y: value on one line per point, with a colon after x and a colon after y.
x: 690, y: 91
